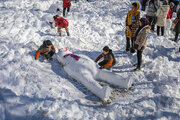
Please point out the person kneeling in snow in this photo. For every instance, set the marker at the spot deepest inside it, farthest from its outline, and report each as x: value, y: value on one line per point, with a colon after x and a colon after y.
x: 46, y: 49
x: 109, y: 59
x: 140, y: 40
x: 61, y: 23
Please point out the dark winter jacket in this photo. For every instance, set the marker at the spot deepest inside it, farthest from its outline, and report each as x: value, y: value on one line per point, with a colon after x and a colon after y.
x: 44, y: 50
x: 66, y: 3
x: 109, y: 57
x: 143, y: 2
x: 177, y: 27
x: 153, y: 7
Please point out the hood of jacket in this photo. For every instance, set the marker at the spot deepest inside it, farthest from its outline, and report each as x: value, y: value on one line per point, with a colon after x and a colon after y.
x: 165, y: 8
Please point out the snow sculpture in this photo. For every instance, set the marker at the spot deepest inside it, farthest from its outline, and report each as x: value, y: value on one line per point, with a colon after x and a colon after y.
x: 84, y: 70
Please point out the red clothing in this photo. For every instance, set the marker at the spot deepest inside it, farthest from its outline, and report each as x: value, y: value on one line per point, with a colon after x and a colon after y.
x: 66, y: 3
x: 169, y: 16
x: 61, y: 22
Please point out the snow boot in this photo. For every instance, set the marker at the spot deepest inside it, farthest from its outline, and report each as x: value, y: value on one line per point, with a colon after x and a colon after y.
x: 68, y: 34
x: 50, y: 58
x: 132, y: 50
x: 127, y: 49
x: 59, y: 33
x: 137, y: 69
x: 135, y: 64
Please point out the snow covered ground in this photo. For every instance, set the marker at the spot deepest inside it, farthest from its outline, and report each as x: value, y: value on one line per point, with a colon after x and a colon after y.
x: 33, y: 90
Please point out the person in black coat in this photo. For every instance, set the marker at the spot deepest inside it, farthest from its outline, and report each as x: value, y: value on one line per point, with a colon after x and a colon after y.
x: 144, y: 4
x: 177, y: 27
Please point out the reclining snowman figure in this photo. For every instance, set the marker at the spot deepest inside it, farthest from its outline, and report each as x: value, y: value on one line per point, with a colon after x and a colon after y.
x: 85, y: 70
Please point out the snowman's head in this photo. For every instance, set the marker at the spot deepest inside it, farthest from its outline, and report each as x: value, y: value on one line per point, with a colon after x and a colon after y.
x: 60, y: 56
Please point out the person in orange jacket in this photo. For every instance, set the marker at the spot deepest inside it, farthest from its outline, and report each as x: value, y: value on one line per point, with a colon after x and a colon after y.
x: 109, y: 59
x: 47, y: 50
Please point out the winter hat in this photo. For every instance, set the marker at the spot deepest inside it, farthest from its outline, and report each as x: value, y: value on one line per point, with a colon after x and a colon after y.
x: 56, y: 16
x: 172, y: 4
x: 106, y: 48
x: 165, y: 2
x: 47, y: 42
x: 134, y: 4
x: 144, y: 21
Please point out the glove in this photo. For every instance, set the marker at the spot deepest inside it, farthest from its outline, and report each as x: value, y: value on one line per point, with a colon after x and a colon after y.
x: 95, y: 61
x: 101, y: 67
x: 69, y: 3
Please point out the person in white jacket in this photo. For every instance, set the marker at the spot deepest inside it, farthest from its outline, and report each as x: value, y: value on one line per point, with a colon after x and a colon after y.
x: 161, y: 17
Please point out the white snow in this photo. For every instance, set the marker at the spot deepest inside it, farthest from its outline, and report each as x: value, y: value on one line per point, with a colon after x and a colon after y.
x: 33, y: 90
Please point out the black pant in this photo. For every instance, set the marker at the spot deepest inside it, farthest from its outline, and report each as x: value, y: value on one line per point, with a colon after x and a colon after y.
x: 102, y: 63
x: 152, y: 22
x: 176, y: 37
x: 162, y: 30
x: 64, y: 10
x: 49, y: 55
x: 139, y: 58
x: 128, y: 46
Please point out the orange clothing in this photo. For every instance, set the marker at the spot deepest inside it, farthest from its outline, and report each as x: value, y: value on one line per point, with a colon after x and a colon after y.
x: 44, y: 50
x: 109, y: 57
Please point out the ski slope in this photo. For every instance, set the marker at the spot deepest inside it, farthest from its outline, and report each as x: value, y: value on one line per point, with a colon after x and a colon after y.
x: 35, y: 90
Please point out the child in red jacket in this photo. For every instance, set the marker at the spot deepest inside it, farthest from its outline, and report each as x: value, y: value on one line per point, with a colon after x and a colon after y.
x: 61, y: 23
x: 66, y: 4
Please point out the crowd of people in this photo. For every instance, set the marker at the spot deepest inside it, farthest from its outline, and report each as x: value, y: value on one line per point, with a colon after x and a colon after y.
x: 158, y: 13
x: 137, y: 29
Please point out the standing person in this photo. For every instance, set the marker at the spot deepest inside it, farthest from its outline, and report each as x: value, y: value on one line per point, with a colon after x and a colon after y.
x: 161, y: 14
x: 169, y: 21
x: 144, y: 4
x: 66, y: 4
x: 176, y: 2
x: 109, y: 59
x: 170, y: 12
x: 140, y: 40
x: 61, y: 23
x: 47, y: 50
x: 177, y: 27
x: 132, y: 21
x: 151, y: 12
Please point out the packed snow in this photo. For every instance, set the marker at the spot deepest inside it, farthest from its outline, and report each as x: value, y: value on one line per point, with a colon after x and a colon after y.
x: 31, y: 89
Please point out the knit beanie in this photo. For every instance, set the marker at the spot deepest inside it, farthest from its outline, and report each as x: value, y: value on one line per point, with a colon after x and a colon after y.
x: 106, y: 48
